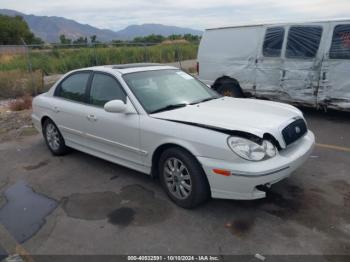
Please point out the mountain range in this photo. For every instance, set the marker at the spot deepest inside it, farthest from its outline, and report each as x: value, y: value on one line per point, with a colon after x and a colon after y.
x: 49, y: 28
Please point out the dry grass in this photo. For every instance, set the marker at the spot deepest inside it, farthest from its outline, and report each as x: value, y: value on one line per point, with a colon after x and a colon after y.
x: 172, y: 42
x: 17, y: 83
x: 191, y: 70
x: 21, y: 103
x: 6, y: 58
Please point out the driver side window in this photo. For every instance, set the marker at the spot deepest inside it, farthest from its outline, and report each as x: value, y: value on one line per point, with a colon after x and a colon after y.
x: 105, y: 88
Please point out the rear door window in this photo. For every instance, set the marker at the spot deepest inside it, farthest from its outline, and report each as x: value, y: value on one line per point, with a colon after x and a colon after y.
x: 74, y: 87
x: 303, y: 41
x: 273, y: 42
x: 340, y: 48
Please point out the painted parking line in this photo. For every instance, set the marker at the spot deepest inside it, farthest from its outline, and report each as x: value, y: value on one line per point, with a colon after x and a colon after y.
x: 338, y: 148
x: 11, y: 246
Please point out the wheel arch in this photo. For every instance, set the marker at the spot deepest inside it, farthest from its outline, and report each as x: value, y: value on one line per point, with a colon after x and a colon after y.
x: 230, y: 82
x: 45, y: 118
x: 222, y: 79
x: 158, y: 152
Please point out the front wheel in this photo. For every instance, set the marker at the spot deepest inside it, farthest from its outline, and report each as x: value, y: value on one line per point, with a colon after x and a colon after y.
x: 182, y: 178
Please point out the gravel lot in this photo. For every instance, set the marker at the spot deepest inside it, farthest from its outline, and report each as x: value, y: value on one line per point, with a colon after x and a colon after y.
x: 14, y: 125
x: 96, y: 207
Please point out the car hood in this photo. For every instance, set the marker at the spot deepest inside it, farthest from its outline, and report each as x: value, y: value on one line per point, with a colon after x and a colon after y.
x: 252, y: 116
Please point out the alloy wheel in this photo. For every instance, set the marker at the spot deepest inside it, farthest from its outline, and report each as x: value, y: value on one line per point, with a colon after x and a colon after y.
x: 52, y: 136
x: 177, y: 178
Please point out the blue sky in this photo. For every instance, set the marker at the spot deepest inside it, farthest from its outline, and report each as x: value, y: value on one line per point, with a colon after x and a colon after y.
x: 198, y: 14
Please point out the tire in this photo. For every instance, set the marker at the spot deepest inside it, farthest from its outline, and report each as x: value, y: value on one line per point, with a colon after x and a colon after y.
x: 187, y: 188
x: 54, y: 139
x: 229, y: 87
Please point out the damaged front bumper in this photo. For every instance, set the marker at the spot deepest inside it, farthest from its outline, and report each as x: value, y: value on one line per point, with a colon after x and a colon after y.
x: 245, y: 178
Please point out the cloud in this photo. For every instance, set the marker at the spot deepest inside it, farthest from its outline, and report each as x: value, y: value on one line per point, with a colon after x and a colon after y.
x: 198, y: 14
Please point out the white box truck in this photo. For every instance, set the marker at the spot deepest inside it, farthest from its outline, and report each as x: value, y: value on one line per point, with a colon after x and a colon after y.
x: 300, y: 63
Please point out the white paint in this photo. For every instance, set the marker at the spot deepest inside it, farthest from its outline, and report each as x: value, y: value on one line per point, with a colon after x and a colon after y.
x: 185, y: 76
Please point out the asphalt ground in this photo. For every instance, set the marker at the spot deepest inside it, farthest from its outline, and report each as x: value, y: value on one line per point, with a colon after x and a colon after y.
x: 95, y: 207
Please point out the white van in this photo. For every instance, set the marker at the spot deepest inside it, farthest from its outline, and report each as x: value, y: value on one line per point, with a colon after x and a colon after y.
x: 302, y: 63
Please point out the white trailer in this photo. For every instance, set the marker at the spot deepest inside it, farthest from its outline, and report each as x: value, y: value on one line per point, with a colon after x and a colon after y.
x: 301, y: 63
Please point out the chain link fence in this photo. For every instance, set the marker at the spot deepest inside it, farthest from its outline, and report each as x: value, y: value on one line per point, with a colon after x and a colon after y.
x: 32, y: 69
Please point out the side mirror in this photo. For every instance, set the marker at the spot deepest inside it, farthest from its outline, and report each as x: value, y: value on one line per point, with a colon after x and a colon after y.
x: 115, y: 106
x: 118, y: 106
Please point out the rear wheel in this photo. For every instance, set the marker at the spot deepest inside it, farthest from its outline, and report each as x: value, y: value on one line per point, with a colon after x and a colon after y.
x: 183, y: 178
x: 53, y: 138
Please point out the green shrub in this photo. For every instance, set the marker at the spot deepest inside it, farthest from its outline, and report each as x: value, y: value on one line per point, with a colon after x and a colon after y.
x: 59, y: 60
x: 15, y: 81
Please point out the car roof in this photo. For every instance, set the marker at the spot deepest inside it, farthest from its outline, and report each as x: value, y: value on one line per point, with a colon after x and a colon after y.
x: 129, y: 68
x: 135, y: 65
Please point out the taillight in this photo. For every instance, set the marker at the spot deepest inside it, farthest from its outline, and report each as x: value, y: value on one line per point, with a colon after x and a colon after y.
x: 197, y: 67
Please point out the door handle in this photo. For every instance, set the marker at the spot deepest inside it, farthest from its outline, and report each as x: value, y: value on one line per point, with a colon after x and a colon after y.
x: 258, y: 60
x: 91, y: 118
x: 56, y: 109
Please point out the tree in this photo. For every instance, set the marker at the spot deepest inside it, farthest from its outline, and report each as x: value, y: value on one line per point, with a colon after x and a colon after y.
x: 149, y: 39
x: 64, y: 40
x: 14, y: 30
x: 93, y: 38
x: 192, y: 38
x: 80, y: 40
x: 175, y: 37
x: 138, y: 39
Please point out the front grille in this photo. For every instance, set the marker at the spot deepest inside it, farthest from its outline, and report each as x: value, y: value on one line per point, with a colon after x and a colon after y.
x: 294, y: 131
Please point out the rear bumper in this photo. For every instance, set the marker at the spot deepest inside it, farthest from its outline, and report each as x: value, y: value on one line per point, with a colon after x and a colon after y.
x: 36, y: 122
x: 245, y: 177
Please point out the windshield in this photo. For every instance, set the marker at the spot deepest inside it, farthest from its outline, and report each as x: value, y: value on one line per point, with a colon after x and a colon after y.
x: 162, y: 90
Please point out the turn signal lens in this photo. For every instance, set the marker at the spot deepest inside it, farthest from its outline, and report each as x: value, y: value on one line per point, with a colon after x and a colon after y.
x: 222, y: 172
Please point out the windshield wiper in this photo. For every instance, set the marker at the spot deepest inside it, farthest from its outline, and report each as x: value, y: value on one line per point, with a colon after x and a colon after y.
x: 204, y: 100
x: 169, y: 107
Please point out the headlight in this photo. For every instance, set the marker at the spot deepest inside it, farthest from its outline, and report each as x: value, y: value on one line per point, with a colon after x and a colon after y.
x: 250, y: 150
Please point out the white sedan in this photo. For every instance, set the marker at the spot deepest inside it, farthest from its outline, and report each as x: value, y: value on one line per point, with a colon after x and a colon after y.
x: 163, y: 122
